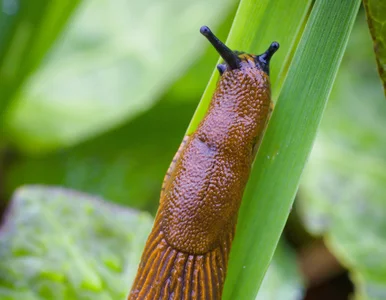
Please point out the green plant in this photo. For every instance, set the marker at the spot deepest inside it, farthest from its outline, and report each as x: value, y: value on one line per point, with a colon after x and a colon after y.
x: 60, y: 128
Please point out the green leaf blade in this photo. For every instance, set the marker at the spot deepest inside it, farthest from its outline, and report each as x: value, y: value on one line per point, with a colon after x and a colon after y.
x: 287, y: 144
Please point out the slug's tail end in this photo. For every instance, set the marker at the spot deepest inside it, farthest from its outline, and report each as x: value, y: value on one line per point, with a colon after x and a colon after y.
x: 166, y: 273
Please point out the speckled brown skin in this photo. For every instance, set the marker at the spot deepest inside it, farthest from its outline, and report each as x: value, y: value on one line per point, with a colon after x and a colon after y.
x: 187, y: 251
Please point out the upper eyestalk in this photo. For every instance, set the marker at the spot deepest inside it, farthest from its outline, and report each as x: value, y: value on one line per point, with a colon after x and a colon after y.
x: 227, y: 54
x: 233, y: 59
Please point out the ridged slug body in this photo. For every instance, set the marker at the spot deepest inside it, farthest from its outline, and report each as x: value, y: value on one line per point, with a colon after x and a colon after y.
x: 186, y: 254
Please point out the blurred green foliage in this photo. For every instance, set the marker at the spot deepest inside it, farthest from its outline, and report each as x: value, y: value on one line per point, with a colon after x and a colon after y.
x: 102, y: 106
x: 127, y: 164
x: 376, y: 18
x: 283, y: 279
x: 343, y: 192
x: 28, y: 30
x: 113, y: 61
x: 61, y: 244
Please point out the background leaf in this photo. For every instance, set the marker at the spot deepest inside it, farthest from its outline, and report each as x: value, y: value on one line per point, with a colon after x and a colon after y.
x: 342, y: 195
x: 60, y: 244
x: 283, y: 279
x: 376, y: 18
x: 100, y: 74
x: 126, y: 165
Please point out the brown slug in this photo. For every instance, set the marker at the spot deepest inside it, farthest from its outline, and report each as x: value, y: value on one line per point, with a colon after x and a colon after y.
x: 187, y: 252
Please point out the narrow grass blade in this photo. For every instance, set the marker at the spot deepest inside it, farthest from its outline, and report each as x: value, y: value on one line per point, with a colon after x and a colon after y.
x: 287, y: 144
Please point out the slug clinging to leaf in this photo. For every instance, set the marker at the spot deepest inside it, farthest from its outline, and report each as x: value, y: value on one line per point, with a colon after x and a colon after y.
x: 187, y: 252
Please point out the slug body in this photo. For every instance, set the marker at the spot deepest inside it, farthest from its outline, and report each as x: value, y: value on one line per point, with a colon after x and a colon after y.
x: 187, y: 251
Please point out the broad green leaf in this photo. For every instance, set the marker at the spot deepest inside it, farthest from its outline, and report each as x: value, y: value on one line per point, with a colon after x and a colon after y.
x: 113, y: 62
x: 343, y: 192
x: 376, y: 19
x: 287, y: 144
x: 28, y: 29
x: 283, y: 279
x: 60, y: 244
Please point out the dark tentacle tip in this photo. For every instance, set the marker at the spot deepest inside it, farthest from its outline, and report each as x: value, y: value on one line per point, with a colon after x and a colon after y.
x: 204, y: 30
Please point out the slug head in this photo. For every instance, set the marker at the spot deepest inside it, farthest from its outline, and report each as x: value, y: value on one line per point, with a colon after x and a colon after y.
x: 236, y: 60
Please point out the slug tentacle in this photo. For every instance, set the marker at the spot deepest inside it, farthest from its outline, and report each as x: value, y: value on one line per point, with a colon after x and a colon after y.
x: 227, y: 54
x: 263, y: 60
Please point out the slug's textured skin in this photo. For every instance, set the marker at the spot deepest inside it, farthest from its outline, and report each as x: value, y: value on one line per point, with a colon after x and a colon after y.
x: 207, y: 183
x: 187, y: 251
